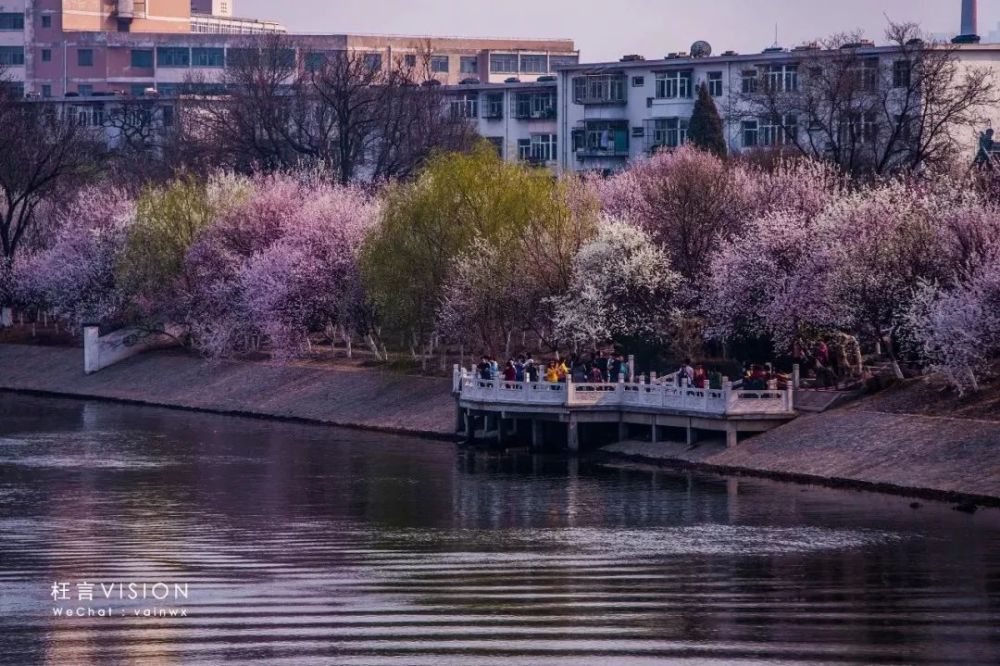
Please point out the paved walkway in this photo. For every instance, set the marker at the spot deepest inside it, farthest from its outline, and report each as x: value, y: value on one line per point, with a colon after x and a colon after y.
x: 340, y: 396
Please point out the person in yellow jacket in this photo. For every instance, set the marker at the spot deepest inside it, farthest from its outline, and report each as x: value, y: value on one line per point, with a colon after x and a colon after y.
x: 551, y: 372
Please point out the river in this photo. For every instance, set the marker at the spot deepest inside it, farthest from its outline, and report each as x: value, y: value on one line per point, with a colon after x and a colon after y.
x: 273, y: 543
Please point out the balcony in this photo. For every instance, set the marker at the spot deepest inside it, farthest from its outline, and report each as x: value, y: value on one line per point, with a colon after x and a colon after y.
x: 601, y: 139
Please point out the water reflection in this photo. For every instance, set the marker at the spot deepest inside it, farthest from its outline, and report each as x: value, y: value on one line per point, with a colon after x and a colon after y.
x: 309, y: 545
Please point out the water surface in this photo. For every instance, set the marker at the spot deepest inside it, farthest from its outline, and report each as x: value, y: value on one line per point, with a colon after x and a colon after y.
x: 311, y: 545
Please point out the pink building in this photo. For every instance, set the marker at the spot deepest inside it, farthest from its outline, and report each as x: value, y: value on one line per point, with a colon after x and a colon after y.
x: 56, y: 48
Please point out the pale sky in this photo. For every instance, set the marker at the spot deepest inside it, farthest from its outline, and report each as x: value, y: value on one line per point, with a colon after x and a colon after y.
x: 607, y: 29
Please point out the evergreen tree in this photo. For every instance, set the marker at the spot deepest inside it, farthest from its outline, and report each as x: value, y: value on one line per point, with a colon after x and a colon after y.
x: 705, y: 129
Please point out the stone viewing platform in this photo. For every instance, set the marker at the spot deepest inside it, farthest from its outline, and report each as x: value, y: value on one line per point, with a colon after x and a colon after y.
x: 502, y: 406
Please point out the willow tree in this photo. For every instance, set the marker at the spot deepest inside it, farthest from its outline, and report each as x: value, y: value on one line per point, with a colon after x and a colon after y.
x: 516, y: 217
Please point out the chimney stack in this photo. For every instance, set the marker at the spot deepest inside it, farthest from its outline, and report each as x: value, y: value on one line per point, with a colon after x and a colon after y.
x: 970, y: 21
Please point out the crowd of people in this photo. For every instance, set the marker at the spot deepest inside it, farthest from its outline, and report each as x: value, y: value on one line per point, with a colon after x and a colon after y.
x: 599, y: 367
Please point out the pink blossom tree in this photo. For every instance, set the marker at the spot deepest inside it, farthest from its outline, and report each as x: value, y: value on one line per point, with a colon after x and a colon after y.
x: 279, y: 266
x: 74, y: 277
x: 957, y: 331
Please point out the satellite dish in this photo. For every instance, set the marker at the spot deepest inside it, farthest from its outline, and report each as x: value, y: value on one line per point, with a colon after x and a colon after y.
x: 701, y: 49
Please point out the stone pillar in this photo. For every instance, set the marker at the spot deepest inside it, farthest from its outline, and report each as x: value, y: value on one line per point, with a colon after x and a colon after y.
x: 796, y: 377
x: 460, y: 418
x: 654, y: 434
x: 470, y: 425
x: 537, y: 433
x: 91, y: 349
x: 6, y: 317
x: 691, y: 438
x: 573, y: 435
x: 732, y: 437
x: 622, y: 431
x: 500, y: 429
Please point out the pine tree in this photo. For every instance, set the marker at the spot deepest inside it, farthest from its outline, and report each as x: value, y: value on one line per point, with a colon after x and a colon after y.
x: 705, y: 129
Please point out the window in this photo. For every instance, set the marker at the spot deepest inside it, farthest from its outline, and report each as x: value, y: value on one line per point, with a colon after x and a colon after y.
x: 173, y: 56
x: 599, y: 89
x: 15, y: 90
x: 671, y: 85
x: 46, y: 90
x: 85, y: 57
x: 439, y: 64
x: 778, y: 130
x: 46, y: 55
x: 543, y: 147
x: 638, y: 81
x: 139, y: 89
x: 142, y: 58
x: 468, y: 65
x: 715, y: 84
x: 11, y: 55
x: 46, y: 21
x: 314, y: 61
x: 865, y: 74
x: 373, y: 61
x: 859, y: 128
x: 638, y: 132
x: 783, y: 78
x: 901, y: 74
x: 748, y: 82
x: 85, y: 90
x: 669, y: 132
x: 524, y: 149
x: 465, y: 106
x: 11, y: 21
x: 494, y: 106
x: 503, y: 63
x: 534, y: 64
x: 535, y: 105
x: 562, y: 61
x: 208, y: 57
x: 750, y: 129
x: 410, y: 60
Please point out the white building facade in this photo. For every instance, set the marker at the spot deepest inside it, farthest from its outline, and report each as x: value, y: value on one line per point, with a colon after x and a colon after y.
x: 612, y: 113
x: 519, y: 119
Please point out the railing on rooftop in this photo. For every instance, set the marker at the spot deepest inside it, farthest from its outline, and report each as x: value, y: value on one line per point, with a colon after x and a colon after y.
x: 665, y: 395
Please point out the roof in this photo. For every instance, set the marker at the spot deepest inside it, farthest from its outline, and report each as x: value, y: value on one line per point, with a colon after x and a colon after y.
x: 764, y: 56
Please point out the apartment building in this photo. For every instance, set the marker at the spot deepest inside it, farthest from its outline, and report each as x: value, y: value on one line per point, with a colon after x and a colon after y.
x: 55, y: 48
x: 518, y: 118
x: 611, y: 113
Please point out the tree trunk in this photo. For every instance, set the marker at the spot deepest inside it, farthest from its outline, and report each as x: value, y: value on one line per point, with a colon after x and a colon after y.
x: 347, y: 341
x: 374, y: 347
x: 890, y: 349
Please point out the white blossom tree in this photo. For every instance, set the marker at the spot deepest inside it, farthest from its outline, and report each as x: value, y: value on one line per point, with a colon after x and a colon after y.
x: 622, y: 286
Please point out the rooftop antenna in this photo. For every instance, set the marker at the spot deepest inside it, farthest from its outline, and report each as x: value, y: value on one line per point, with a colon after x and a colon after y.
x: 776, y: 35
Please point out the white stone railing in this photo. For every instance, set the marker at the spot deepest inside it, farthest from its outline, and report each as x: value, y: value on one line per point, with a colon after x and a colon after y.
x: 726, y: 401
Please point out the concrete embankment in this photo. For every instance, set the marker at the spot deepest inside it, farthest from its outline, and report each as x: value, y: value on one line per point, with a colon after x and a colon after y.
x: 866, y: 444
x: 857, y: 446
x: 344, y: 396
